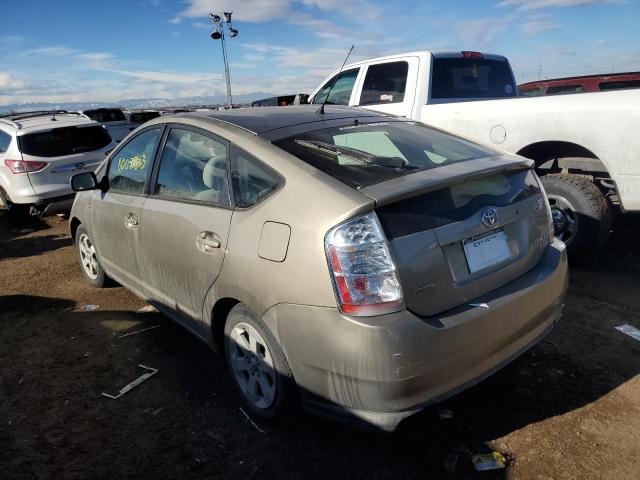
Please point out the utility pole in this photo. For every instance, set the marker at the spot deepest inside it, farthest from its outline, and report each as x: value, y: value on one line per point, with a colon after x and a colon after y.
x: 219, y: 28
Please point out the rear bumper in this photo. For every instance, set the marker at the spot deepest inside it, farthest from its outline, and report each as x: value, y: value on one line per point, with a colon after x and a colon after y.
x: 379, y: 370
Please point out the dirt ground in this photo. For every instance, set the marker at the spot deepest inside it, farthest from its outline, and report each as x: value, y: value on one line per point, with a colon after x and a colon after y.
x: 568, y: 409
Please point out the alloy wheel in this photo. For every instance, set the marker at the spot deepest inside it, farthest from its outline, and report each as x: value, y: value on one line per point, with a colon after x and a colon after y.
x: 252, y: 365
x: 88, y: 257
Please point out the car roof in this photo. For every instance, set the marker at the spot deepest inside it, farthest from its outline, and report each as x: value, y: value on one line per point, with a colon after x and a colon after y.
x: 27, y: 122
x: 260, y: 120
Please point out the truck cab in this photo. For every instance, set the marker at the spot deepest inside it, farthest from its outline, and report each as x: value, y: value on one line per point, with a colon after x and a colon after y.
x: 402, y: 84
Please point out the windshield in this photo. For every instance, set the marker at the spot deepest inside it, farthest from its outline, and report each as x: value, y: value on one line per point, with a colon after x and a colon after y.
x: 364, y: 154
x: 471, y: 78
x: 64, y: 141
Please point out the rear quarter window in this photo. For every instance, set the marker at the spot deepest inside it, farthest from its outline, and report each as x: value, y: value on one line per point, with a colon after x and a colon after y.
x: 252, y: 180
x: 5, y: 141
x: 64, y: 141
x: 471, y: 78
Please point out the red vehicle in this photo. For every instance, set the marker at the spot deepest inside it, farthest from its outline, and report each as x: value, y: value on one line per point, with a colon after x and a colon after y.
x: 587, y: 83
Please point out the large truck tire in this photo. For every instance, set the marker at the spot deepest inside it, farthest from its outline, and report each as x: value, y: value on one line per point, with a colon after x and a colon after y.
x: 582, y: 215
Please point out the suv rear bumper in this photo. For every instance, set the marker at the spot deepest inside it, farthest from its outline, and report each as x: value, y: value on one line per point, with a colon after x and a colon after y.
x: 379, y: 370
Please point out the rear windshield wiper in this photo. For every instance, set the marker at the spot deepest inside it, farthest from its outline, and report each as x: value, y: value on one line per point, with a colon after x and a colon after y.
x: 363, y: 158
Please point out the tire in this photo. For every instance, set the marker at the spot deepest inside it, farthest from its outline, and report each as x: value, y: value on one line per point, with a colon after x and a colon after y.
x: 269, y: 367
x: 89, y: 264
x: 582, y: 214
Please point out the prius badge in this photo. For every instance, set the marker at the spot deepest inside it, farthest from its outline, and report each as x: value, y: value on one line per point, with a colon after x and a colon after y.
x: 490, y: 217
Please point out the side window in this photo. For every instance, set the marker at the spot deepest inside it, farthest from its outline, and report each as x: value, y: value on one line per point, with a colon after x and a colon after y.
x: 252, y: 180
x: 384, y: 83
x: 5, y: 141
x: 565, y: 89
x: 341, y: 93
x: 129, y: 168
x: 193, y: 167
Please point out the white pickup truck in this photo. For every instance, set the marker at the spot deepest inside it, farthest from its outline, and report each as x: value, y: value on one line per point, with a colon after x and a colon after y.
x: 586, y: 146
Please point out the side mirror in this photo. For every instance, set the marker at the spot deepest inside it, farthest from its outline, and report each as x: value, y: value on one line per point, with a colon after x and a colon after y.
x: 84, y: 181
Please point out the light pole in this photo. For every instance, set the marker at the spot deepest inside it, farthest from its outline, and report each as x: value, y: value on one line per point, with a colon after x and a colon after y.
x: 219, y: 27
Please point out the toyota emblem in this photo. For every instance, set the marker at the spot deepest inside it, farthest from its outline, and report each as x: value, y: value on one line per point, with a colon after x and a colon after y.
x: 490, y: 217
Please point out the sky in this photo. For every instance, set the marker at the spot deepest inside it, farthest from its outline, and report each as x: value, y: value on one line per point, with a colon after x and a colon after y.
x: 106, y: 51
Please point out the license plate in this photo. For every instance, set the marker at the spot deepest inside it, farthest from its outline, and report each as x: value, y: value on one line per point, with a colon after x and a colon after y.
x: 486, y: 249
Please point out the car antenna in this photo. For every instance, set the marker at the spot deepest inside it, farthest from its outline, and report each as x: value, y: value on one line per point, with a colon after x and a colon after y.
x: 324, y: 102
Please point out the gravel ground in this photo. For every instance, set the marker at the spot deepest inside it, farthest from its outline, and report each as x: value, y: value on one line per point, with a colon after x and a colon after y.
x: 568, y: 409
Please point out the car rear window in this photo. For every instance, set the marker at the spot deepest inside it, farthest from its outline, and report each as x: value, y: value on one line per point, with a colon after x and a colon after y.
x: 363, y: 154
x: 471, y: 78
x: 64, y: 141
x: 141, y: 117
x: 105, y: 115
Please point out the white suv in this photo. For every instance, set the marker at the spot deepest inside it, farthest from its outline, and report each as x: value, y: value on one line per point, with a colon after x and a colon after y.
x: 40, y: 151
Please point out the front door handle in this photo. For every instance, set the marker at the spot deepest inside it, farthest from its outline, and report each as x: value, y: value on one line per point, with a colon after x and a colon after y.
x: 131, y: 221
x: 207, y: 241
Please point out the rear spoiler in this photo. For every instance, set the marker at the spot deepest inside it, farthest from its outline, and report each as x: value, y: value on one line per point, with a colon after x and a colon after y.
x: 428, y: 180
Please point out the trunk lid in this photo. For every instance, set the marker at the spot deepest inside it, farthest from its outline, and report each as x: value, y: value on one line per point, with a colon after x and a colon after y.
x: 434, y: 224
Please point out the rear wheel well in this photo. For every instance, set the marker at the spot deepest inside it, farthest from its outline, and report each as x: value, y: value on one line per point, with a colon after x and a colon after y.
x: 219, y: 316
x: 73, y: 227
x: 565, y: 157
x: 569, y: 158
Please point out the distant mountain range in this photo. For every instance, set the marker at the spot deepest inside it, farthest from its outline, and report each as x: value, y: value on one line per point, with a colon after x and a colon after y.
x: 136, y: 103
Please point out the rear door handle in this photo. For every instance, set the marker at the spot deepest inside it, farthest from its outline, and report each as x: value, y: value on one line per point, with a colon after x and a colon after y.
x: 207, y: 241
x: 131, y: 221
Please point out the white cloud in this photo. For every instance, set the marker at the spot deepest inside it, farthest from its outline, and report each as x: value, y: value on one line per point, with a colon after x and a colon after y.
x: 537, y: 4
x: 247, y: 10
x: 538, y: 22
x: 7, y: 81
x: 167, y: 77
x: 481, y: 32
x: 53, y: 51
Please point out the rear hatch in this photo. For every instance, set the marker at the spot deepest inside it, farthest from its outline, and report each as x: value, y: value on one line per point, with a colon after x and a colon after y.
x: 461, y: 219
x: 66, y: 151
x: 463, y: 234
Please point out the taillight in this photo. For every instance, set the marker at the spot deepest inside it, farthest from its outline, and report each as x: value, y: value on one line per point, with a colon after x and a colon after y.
x: 364, y: 273
x: 24, y: 166
x: 467, y: 54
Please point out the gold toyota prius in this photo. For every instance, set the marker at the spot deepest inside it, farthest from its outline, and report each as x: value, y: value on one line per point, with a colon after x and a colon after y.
x: 362, y: 264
